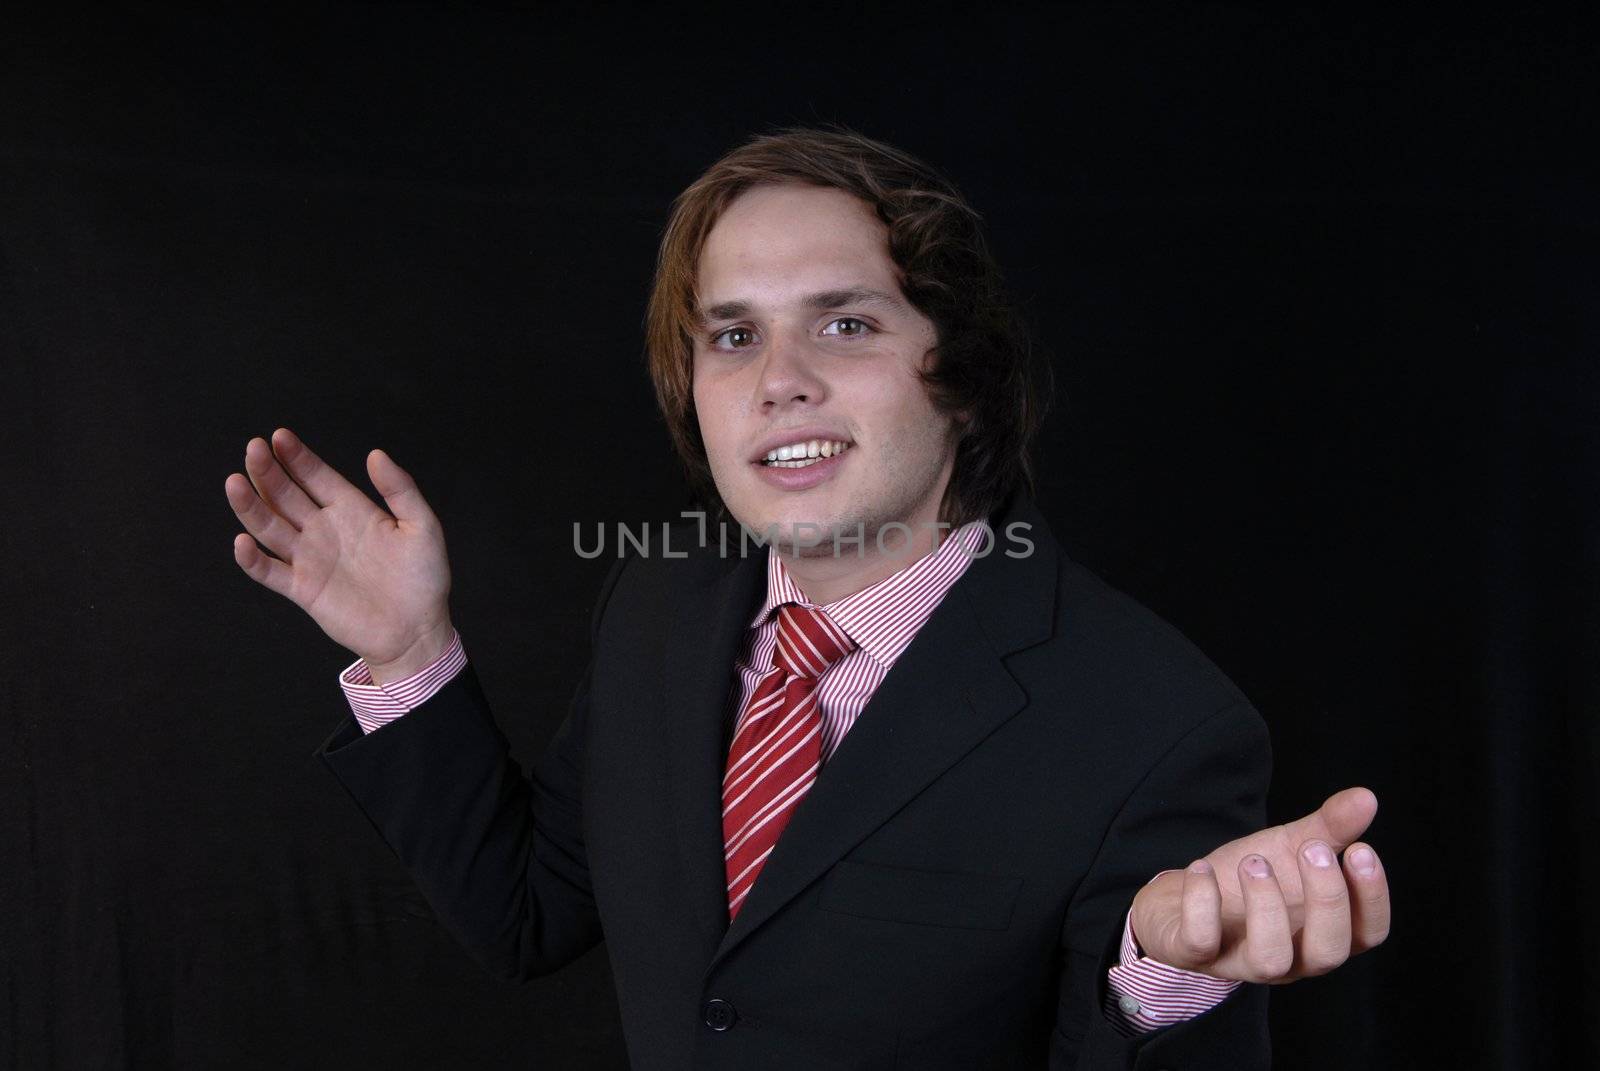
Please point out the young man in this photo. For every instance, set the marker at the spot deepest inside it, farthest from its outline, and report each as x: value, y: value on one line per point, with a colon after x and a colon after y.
x: 909, y: 787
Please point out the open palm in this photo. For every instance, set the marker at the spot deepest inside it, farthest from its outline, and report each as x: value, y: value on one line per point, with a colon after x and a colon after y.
x: 1274, y: 906
x: 376, y: 582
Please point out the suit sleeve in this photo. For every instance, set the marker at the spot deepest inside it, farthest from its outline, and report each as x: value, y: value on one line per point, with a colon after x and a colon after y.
x: 498, y: 856
x: 1208, y: 788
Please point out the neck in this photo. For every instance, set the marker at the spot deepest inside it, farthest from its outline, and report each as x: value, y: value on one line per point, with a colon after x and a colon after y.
x: 826, y: 577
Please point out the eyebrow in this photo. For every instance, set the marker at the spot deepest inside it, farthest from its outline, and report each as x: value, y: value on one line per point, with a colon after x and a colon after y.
x: 822, y: 299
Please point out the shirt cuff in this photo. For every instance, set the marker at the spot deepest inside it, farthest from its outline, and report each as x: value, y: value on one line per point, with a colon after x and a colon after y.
x: 1143, y: 994
x: 376, y: 705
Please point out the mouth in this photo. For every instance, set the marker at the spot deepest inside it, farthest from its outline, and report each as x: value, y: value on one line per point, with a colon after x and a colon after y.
x: 805, y: 453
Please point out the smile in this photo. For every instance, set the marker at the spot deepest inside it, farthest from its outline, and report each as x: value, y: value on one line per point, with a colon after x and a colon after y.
x: 804, y: 454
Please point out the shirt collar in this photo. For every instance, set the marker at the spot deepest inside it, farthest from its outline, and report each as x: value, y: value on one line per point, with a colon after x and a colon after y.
x: 882, y: 618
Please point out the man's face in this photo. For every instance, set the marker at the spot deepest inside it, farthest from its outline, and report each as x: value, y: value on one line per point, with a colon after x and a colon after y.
x: 807, y: 339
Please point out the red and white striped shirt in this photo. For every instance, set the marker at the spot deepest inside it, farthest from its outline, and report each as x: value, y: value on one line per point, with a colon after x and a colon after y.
x: 882, y: 620
x: 1142, y: 994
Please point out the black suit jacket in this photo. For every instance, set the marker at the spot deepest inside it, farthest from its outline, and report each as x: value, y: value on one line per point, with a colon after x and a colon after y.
x: 950, y: 893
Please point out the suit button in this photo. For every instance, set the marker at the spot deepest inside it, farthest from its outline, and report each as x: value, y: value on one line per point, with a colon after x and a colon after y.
x: 719, y: 1014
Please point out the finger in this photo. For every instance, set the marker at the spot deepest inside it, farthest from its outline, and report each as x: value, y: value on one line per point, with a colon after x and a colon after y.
x: 1342, y: 818
x: 261, y: 568
x: 1324, y: 939
x: 1268, y: 944
x: 1369, y: 900
x: 1200, y: 931
x: 322, y: 483
x: 273, y: 532
x: 398, y: 489
x: 281, y: 494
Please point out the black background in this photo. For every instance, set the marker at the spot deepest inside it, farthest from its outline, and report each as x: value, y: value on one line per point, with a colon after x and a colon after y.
x: 1320, y: 292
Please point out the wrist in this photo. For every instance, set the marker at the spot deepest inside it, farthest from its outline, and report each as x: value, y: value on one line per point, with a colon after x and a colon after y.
x: 421, y: 654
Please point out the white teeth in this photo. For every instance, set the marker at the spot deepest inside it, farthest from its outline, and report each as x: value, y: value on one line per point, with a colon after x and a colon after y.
x: 798, y: 455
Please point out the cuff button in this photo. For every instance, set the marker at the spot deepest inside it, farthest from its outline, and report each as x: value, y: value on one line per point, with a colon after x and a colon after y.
x: 1129, y: 1006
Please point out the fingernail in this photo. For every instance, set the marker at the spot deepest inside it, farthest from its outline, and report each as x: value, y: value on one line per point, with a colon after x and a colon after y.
x: 1256, y: 867
x: 1318, y: 854
x: 1199, y: 866
x: 1364, y: 860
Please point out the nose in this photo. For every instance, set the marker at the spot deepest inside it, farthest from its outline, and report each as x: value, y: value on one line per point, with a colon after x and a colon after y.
x: 789, y: 373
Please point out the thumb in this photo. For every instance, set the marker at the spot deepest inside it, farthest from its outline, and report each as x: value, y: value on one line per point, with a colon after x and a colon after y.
x: 1342, y: 818
x: 398, y: 489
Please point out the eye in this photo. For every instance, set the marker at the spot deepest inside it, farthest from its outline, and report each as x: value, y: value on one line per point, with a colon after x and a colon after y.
x: 731, y: 331
x: 861, y: 326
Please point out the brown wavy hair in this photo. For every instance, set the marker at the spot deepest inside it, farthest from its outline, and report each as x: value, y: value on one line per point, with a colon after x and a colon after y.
x: 984, y: 356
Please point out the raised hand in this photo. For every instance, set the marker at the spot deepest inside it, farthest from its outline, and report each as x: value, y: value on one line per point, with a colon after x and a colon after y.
x: 1275, y: 906
x: 377, y: 582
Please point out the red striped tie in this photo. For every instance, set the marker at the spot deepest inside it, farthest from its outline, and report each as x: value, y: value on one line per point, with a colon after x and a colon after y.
x: 777, y: 745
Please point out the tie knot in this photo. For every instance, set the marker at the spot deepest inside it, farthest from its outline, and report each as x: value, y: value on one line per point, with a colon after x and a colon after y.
x: 808, y: 641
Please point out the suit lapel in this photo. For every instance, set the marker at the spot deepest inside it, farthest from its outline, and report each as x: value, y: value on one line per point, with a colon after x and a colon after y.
x: 700, y: 673
x: 947, y: 691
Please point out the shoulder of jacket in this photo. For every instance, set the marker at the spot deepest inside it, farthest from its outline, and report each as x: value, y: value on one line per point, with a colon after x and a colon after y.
x: 658, y: 565
x: 1135, y: 654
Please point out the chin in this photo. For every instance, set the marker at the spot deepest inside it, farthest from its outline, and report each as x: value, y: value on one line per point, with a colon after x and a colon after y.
x: 783, y: 516
x: 804, y: 508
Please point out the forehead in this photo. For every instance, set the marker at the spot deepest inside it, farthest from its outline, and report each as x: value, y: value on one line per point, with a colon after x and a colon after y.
x: 773, y: 241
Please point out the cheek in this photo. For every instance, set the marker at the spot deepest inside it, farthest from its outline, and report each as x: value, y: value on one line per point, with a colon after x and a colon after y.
x: 711, y: 416
x: 917, y: 432
x: 900, y: 404
x: 711, y: 392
